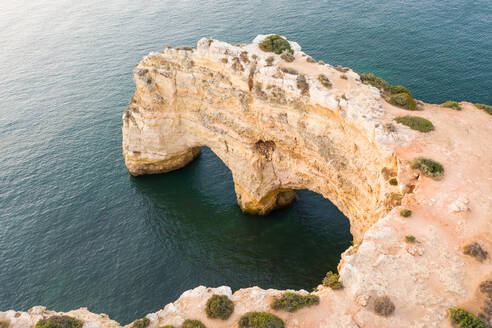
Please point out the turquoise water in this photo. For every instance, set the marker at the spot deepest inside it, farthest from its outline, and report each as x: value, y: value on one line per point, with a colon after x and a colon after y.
x: 77, y: 230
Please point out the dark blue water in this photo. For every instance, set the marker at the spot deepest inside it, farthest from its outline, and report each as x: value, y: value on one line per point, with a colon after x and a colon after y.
x: 77, y: 230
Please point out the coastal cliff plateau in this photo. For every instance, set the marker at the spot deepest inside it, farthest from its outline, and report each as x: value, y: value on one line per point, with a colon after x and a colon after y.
x: 281, y: 125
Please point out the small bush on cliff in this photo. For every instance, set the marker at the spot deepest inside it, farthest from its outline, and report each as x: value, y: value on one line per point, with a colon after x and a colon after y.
x: 332, y: 280
x: 396, y: 89
x: 375, y: 81
x: 410, y: 238
x: 403, y: 100
x: 260, y: 320
x: 289, y: 70
x: 465, y: 319
x: 193, y: 324
x: 141, y: 323
x: 269, y: 60
x: 276, y: 44
x: 168, y: 326
x: 452, y: 104
x: 416, y: 123
x: 302, y: 84
x: 4, y: 323
x: 323, y: 79
x: 393, y: 182
x: 61, y: 321
x: 428, y: 167
x: 405, y: 212
x: 475, y: 249
x: 383, y: 306
x: 486, y: 287
x: 486, y: 108
x: 287, y: 57
x: 292, y: 302
x: 219, y: 306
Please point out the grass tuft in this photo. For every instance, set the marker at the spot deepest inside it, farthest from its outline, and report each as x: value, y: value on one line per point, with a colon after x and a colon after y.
x: 452, y: 104
x: 410, y: 238
x: 416, y: 123
x: 323, y: 79
x: 403, y: 100
x: 405, y: 212
x: 486, y: 108
x: 302, y: 84
x: 141, y: 323
x: 383, y: 306
x: 292, y: 302
x: 428, y: 167
x: 393, y: 182
x: 475, y: 249
x: 287, y: 56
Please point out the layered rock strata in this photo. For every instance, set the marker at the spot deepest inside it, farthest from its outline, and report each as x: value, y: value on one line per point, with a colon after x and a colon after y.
x: 277, y: 135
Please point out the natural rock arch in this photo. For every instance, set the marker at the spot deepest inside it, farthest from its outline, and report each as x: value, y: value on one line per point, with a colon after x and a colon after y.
x: 273, y: 136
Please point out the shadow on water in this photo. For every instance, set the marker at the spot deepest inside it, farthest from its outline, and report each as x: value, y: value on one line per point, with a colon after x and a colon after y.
x: 196, y: 209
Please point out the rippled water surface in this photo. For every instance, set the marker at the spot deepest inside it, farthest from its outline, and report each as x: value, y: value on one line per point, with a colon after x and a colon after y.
x: 77, y: 230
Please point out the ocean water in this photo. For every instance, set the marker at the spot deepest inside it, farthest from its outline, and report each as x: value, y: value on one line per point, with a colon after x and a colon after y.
x: 76, y: 230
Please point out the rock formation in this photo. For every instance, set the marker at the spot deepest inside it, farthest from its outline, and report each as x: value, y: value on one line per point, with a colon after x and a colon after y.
x: 279, y: 126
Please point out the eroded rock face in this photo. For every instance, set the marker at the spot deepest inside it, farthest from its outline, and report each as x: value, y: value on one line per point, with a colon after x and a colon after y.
x: 340, y: 142
x: 273, y: 135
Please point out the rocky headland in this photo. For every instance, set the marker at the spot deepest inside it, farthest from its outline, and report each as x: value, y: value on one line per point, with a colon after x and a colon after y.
x: 418, y: 193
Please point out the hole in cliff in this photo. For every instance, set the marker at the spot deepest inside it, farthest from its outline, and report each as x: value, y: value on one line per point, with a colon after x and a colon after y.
x: 207, y: 240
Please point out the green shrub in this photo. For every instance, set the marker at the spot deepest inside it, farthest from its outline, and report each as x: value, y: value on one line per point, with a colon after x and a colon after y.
x: 452, y: 104
x: 269, y: 60
x: 331, y: 280
x: 405, y: 212
x: 141, y: 323
x: 399, y: 89
x: 292, y: 302
x: 410, y: 238
x: 375, y: 81
x: 61, y: 321
x: 276, y: 44
x: 219, y: 306
x: 428, y: 167
x: 475, y: 249
x: 486, y: 108
x: 287, y: 57
x: 323, y: 79
x: 403, y: 100
x: 393, y: 182
x: 193, y: 324
x: 260, y: 320
x: 168, y: 326
x: 383, y: 306
x: 416, y: 123
x: 465, y: 319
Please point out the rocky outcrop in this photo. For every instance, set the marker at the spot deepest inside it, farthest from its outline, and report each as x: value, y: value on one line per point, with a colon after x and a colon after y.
x: 274, y: 136
x: 278, y: 127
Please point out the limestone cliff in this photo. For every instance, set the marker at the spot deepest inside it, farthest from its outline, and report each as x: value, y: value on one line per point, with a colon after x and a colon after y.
x: 279, y: 126
x: 272, y: 135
